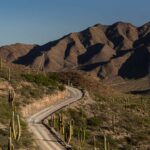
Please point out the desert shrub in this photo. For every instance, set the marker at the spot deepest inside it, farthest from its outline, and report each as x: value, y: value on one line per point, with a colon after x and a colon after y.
x: 41, y: 79
x: 29, y: 92
x: 94, y: 121
x: 61, y: 87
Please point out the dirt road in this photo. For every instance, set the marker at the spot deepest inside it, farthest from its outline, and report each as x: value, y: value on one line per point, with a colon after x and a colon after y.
x: 44, y: 138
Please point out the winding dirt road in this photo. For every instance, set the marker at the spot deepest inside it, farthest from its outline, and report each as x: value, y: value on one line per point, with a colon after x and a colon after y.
x: 44, y: 138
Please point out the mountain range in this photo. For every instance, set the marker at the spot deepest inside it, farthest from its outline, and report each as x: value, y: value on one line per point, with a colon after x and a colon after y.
x: 120, y: 49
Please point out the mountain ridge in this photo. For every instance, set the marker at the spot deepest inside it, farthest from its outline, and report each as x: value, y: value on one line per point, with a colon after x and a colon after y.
x: 103, y: 50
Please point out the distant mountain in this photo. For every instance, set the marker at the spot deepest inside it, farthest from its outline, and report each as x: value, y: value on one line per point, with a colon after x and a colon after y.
x: 119, y: 49
x: 15, y: 51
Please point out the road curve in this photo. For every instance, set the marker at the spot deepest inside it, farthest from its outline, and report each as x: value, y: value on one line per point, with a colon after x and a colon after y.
x: 43, y: 137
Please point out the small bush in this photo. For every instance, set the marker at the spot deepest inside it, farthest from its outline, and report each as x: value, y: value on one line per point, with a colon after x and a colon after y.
x: 61, y: 87
x: 94, y: 121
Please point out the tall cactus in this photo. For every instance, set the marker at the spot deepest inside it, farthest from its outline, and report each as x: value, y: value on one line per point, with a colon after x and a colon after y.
x: 13, y: 125
x: 10, y: 138
x: 54, y: 121
x: 14, y: 135
x: 68, y: 132
x: 10, y: 144
x: 63, y: 129
x: 11, y: 97
x: 105, y: 143
x: 9, y: 74
x: 10, y: 131
x: 94, y: 143
x: 19, y: 128
x: 81, y: 135
x: 61, y: 123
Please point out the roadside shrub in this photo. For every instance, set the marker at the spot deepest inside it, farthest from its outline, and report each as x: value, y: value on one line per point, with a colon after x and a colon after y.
x: 61, y: 87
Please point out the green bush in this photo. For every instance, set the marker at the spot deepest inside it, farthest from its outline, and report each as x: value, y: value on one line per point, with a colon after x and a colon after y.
x: 40, y: 79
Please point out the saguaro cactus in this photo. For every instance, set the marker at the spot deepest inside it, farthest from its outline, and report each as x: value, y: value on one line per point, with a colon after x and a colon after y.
x: 19, y: 128
x: 15, y: 133
x: 94, y: 143
x: 126, y: 101
x: 81, y: 135
x: 13, y: 125
x: 55, y: 121
x: 61, y: 123
x: 10, y: 144
x: 9, y: 74
x: 11, y: 97
x: 68, y: 132
x: 105, y: 143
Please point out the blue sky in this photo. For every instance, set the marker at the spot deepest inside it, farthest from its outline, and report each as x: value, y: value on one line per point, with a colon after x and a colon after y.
x: 40, y: 21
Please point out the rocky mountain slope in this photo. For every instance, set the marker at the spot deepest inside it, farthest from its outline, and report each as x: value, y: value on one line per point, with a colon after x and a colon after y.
x: 119, y: 49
